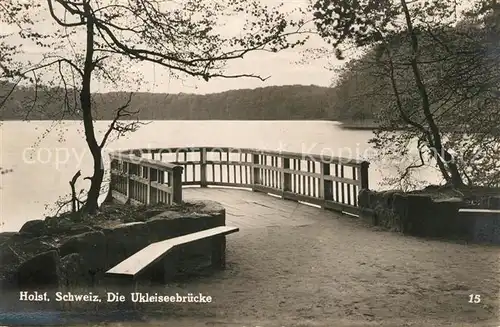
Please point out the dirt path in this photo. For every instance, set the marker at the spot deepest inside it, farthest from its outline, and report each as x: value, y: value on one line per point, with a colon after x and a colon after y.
x: 340, y: 272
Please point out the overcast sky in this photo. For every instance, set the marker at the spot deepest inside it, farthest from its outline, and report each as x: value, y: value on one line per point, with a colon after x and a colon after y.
x: 282, y: 68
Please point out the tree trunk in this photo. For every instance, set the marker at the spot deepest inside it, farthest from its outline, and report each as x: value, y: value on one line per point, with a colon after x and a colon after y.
x: 454, y: 176
x: 92, y: 202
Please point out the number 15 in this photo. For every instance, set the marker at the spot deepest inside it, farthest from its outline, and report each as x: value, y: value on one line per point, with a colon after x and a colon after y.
x: 474, y: 298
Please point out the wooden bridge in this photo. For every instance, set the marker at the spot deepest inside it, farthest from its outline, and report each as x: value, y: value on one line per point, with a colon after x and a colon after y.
x: 148, y: 176
x: 310, y: 267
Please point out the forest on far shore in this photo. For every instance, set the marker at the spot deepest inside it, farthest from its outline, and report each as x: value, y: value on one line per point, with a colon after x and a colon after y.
x: 294, y: 102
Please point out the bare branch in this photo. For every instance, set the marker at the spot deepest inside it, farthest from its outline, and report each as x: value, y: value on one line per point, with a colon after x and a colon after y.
x: 60, y: 22
x: 73, y: 192
x: 120, y: 113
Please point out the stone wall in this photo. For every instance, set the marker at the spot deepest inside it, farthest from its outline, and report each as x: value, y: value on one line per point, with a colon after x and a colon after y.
x: 483, y: 225
x: 48, y: 256
x: 420, y: 215
x: 417, y: 215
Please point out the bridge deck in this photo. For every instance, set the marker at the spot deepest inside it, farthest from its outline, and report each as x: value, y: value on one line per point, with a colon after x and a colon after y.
x: 246, y: 209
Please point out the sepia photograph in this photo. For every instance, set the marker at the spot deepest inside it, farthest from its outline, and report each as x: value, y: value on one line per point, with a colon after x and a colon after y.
x: 250, y: 163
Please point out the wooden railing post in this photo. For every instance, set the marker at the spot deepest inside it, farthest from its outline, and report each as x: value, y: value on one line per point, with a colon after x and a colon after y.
x: 256, y: 178
x: 176, y: 184
x: 154, y: 177
x: 325, y: 186
x: 203, y: 167
x: 129, y: 182
x: 363, y: 175
x: 148, y: 193
x: 286, y: 177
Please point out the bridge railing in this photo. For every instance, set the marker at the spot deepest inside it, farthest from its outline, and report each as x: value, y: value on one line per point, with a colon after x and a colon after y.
x: 143, y: 181
x: 330, y: 182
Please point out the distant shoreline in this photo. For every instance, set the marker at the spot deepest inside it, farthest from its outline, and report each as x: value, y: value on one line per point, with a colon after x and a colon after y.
x: 364, y: 125
x: 347, y: 125
x: 181, y: 119
x: 367, y: 125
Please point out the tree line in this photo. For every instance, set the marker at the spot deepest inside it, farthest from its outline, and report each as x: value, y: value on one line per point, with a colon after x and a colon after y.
x: 294, y: 102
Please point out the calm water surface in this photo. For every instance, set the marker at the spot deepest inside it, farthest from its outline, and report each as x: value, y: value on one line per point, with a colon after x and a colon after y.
x: 45, y: 155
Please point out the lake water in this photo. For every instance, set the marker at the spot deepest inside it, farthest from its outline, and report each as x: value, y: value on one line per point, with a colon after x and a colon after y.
x: 44, y: 155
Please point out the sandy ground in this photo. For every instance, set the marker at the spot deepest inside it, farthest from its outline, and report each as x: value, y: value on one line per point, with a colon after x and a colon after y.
x: 339, y: 272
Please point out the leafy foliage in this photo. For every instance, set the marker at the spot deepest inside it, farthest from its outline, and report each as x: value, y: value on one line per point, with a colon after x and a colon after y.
x: 354, y: 22
x: 427, y: 71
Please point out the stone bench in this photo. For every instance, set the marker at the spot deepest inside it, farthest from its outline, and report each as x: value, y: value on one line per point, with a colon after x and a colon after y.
x: 130, y: 269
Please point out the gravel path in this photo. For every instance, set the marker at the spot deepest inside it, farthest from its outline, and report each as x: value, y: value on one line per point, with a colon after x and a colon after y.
x: 340, y: 272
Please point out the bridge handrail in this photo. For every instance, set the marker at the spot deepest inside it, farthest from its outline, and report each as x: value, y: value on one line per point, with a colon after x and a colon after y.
x: 285, y: 154
x: 317, y: 179
x: 144, y: 181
